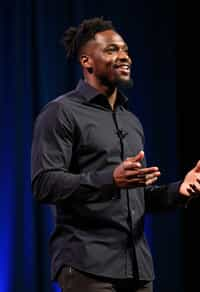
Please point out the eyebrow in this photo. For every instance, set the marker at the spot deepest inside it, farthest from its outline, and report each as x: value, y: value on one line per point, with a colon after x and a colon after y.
x: 116, y: 45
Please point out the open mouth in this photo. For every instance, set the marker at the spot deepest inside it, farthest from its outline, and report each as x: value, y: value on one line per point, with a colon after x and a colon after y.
x: 123, y: 68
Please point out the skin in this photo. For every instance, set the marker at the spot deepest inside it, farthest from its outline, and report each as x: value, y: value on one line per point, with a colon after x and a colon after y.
x: 105, y: 61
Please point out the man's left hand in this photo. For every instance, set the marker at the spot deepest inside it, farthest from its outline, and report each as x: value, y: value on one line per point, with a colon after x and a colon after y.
x: 191, y: 183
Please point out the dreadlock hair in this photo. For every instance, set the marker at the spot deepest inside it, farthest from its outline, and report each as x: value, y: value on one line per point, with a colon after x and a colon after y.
x: 76, y: 37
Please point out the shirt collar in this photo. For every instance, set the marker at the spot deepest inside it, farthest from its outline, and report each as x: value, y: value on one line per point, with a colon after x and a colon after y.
x: 89, y: 93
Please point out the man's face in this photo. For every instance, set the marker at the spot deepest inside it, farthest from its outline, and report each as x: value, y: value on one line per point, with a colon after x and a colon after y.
x: 111, y: 64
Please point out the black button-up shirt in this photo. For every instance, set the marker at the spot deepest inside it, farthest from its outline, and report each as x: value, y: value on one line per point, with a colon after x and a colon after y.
x: 78, y: 141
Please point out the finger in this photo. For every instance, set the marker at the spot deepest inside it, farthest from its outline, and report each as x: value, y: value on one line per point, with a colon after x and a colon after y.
x: 151, y: 181
x: 148, y: 170
x: 151, y: 178
x: 140, y: 183
x: 197, y: 167
x: 128, y: 165
x: 135, y: 177
x: 190, y: 191
x: 133, y: 174
x: 139, y: 157
x: 130, y: 161
x: 148, y: 177
x: 142, y: 174
x: 152, y: 175
x: 135, y: 182
x: 194, y: 188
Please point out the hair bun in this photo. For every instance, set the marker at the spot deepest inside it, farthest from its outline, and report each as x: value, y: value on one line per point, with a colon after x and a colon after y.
x: 69, y: 40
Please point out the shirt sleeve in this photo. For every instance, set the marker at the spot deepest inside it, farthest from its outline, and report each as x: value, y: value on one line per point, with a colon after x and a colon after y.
x: 51, y: 155
x: 164, y: 198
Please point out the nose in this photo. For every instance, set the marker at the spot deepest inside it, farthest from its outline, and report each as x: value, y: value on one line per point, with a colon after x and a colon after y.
x: 124, y: 57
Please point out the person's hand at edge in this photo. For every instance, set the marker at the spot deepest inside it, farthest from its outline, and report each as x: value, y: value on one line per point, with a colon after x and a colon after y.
x: 191, y: 183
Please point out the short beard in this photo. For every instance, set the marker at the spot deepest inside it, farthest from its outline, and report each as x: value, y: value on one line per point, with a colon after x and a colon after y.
x: 121, y: 83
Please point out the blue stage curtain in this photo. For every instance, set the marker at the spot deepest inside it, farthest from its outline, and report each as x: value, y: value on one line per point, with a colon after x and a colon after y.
x: 33, y: 71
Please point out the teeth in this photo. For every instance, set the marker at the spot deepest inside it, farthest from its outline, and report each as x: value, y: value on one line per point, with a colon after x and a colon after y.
x: 126, y: 67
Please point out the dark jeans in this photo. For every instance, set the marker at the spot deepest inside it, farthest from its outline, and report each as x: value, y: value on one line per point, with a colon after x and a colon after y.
x: 71, y: 280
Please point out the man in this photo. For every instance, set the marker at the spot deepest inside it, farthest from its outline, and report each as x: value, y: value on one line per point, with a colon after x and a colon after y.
x: 88, y: 161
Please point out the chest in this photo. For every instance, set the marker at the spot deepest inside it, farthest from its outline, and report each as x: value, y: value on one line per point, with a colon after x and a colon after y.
x: 107, y: 132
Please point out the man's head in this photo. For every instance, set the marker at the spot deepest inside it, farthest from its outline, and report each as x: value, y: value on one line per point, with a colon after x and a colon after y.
x: 101, y: 51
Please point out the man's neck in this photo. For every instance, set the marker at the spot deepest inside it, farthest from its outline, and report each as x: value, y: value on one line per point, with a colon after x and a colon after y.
x: 109, y: 92
x: 112, y: 98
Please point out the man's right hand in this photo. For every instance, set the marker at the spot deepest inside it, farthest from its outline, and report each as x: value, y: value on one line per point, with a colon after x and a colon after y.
x: 130, y: 174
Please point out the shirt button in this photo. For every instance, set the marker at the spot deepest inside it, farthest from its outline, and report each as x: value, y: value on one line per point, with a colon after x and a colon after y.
x: 132, y: 212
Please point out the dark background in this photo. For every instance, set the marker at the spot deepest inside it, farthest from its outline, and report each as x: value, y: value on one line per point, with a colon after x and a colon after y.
x: 33, y: 70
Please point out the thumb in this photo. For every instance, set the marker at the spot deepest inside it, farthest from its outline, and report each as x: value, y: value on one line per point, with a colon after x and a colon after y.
x: 140, y: 156
x: 197, y: 167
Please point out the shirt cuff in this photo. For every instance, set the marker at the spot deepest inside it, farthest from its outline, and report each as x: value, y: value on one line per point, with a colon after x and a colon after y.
x: 179, y: 200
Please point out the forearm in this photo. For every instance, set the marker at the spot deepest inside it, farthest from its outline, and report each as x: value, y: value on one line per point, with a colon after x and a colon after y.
x: 53, y: 187
x: 165, y: 197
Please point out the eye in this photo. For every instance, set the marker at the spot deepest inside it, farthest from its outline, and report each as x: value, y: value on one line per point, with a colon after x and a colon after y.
x: 111, y: 50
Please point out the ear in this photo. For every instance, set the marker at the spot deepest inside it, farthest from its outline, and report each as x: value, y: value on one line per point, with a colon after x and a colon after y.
x: 86, y: 62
